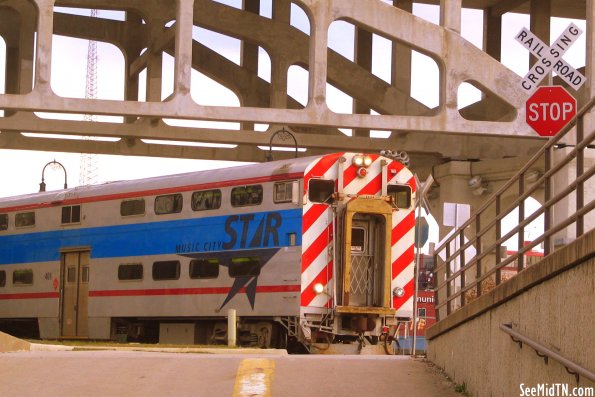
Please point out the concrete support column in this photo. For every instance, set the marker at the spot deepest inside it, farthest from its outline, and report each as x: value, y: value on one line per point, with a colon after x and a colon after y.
x: 450, y: 14
x: 131, y: 52
x: 154, y: 76
x: 401, y: 59
x: 279, y: 66
x: 249, y: 61
x: 590, y: 56
x: 318, y: 58
x: 363, y: 58
x: 183, y: 54
x: 43, y: 62
x: 492, y: 35
x: 540, y: 25
x: 20, y: 48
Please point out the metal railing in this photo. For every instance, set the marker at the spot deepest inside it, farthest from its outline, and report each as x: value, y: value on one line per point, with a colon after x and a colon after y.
x: 463, y: 275
x: 546, y: 353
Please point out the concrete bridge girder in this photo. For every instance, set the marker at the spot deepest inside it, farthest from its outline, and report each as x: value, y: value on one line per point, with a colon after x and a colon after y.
x: 441, y: 133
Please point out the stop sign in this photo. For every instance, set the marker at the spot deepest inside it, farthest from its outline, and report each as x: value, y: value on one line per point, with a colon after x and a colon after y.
x: 549, y: 109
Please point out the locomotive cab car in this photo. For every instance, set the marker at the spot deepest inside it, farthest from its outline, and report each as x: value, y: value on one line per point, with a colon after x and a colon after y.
x: 307, y: 250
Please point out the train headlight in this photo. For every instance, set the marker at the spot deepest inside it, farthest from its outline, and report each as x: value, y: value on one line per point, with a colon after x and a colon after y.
x: 398, y: 292
x: 318, y: 288
x: 359, y: 160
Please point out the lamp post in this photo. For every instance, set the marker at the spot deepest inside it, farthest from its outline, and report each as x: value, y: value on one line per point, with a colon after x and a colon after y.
x: 42, y: 184
x: 283, y: 135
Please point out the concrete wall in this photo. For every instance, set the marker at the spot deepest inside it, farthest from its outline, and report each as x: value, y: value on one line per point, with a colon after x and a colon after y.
x: 551, y: 302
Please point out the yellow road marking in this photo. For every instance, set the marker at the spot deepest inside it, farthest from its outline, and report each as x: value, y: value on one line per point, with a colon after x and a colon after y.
x: 254, y: 378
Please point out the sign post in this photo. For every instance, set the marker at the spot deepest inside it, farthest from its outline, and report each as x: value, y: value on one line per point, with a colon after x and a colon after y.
x: 549, y: 109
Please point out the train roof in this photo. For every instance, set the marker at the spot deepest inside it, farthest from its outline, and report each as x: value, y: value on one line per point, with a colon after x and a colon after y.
x: 292, y: 168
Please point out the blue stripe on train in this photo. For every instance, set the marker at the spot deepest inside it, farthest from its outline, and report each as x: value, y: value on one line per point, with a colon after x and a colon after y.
x: 230, y: 232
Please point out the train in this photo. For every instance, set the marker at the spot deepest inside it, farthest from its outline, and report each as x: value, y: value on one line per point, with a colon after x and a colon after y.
x: 307, y: 251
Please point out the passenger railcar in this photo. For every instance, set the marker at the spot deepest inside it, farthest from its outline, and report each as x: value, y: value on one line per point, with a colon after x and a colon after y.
x: 305, y: 250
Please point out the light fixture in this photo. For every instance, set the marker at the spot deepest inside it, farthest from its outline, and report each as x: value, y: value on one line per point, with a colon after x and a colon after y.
x: 532, y: 175
x: 358, y: 160
x: 398, y: 292
x: 475, y: 181
x: 54, y: 163
x: 318, y: 288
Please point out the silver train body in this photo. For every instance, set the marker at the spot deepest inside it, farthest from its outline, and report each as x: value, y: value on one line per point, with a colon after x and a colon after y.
x: 308, y: 249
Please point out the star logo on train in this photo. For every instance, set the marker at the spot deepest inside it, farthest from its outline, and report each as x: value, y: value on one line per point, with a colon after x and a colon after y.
x: 251, y: 262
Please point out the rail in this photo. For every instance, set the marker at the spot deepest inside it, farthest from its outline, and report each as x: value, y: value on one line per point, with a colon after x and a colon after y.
x: 542, y: 351
x: 462, y: 275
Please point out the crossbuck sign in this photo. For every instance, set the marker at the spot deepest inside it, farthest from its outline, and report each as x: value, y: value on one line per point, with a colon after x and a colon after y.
x: 550, y: 58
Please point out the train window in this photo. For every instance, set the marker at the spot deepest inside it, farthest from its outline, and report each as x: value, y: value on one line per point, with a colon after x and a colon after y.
x: 2, y: 278
x: 3, y: 221
x: 168, y: 204
x: 358, y: 239
x: 204, y: 268
x: 321, y: 190
x: 24, y: 219
x: 166, y: 270
x: 401, y: 195
x: 132, y: 207
x: 130, y: 271
x: 244, y: 267
x: 22, y: 277
x: 421, y: 312
x: 71, y: 214
x: 246, y: 195
x: 206, y: 200
x: 71, y: 275
x: 85, y: 275
x: 283, y: 192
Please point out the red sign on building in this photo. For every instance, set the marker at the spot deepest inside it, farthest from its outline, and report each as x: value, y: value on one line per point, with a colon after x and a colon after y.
x: 549, y: 109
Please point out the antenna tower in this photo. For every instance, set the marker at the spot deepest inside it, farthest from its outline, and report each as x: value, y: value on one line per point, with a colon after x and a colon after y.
x: 88, y: 172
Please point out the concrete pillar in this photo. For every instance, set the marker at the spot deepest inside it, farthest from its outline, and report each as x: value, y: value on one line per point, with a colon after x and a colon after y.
x: 363, y: 58
x: 43, y: 63
x: 492, y: 35
x: 18, y: 76
x: 279, y: 66
x: 183, y: 53
x: 317, y: 57
x: 401, y: 59
x: 131, y: 52
x: 568, y: 205
x: 590, y: 56
x: 154, y: 77
x: 249, y: 61
x: 450, y: 14
x: 541, y: 11
x: 590, y: 116
x: 20, y: 48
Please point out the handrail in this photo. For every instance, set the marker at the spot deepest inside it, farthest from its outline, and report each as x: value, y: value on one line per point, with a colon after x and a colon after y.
x: 458, y: 273
x: 542, y: 351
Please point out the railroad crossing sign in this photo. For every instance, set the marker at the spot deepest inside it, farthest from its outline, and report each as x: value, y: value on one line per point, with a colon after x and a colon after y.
x: 550, y: 58
x: 549, y: 109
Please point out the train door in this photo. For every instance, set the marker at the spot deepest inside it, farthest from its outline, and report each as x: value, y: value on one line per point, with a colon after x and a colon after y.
x: 74, y: 297
x: 367, y: 261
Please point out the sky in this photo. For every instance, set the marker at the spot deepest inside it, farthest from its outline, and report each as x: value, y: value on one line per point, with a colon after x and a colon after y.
x: 21, y: 170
